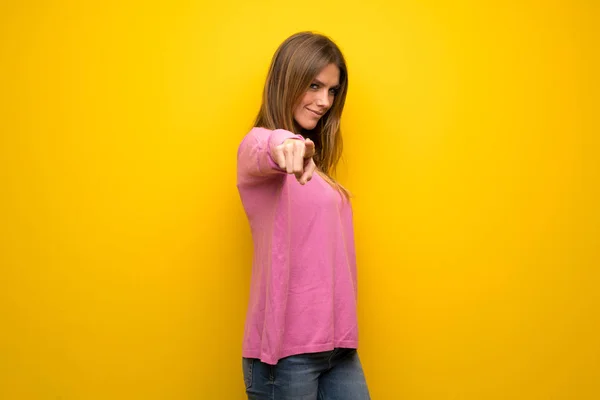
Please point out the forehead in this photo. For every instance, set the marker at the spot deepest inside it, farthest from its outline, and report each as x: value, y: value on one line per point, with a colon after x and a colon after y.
x: 330, y: 75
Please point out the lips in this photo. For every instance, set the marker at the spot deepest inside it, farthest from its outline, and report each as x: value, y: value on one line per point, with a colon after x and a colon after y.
x: 315, y: 112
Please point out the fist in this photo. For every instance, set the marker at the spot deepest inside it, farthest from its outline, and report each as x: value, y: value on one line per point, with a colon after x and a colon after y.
x: 295, y: 157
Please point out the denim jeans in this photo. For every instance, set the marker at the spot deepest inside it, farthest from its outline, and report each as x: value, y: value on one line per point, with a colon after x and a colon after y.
x: 328, y: 375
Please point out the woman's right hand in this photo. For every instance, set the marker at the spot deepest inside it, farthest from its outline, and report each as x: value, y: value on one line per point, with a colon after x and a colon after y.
x: 295, y: 157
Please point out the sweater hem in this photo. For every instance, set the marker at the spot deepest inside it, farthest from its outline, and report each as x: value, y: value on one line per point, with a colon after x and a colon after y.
x: 292, y: 351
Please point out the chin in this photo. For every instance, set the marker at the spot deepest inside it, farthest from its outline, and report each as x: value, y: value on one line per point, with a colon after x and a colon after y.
x: 308, y: 126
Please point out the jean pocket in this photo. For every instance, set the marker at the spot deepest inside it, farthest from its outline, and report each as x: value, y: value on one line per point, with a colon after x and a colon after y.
x: 247, y: 366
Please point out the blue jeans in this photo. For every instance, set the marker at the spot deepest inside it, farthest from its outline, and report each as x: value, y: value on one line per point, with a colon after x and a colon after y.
x: 328, y: 375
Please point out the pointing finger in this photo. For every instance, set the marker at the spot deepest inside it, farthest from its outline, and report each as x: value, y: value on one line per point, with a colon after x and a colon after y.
x: 299, y: 148
x: 309, y: 148
x: 309, y: 170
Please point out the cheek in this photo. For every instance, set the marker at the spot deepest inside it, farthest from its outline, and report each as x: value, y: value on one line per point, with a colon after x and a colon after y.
x: 307, y: 99
x: 303, y: 103
x: 298, y: 110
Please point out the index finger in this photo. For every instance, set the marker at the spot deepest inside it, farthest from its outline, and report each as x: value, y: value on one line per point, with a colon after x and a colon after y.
x: 309, y: 148
x: 299, y: 150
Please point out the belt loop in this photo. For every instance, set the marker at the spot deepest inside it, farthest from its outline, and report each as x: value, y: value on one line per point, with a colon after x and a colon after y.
x: 272, y: 373
x: 331, y: 357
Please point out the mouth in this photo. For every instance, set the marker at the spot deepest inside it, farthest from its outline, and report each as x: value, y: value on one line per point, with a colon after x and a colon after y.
x: 318, y: 114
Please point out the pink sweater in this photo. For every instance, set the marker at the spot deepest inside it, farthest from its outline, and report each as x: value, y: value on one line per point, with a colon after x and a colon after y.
x: 303, y: 286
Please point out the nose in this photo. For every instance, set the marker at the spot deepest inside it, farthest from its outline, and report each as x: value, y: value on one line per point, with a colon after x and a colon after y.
x: 323, y: 99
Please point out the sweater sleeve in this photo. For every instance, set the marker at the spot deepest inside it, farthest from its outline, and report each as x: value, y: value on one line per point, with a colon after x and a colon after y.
x: 254, y: 160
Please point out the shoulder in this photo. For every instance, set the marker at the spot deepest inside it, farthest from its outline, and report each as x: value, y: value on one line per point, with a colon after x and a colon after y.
x: 259, y: 131
x: 252, y: 137
x: 256, y: 134
x: 259, y: 135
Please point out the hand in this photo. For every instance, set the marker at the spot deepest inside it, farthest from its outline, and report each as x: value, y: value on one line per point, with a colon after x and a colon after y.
x: 295, y: 157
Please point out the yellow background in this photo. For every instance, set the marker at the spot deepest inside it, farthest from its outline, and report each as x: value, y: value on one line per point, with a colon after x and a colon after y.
x: 472, y: 152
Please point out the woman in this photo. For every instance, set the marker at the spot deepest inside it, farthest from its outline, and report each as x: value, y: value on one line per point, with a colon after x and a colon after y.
x: 301, y: 330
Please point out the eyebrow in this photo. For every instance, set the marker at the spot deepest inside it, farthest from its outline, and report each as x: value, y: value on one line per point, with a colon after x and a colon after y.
x: 322, y: 84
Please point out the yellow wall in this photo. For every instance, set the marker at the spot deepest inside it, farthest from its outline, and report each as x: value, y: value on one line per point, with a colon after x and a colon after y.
x: 472, y: 151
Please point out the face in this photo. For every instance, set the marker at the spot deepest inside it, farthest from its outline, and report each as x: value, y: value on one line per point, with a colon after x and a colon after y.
x: 319, y: 97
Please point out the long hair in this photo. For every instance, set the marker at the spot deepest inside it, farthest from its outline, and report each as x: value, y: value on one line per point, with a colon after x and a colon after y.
x: 295, y: 64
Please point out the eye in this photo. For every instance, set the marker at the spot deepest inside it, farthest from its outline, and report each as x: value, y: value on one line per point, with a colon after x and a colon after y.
x: 333, y: 91
x: 314, y: 86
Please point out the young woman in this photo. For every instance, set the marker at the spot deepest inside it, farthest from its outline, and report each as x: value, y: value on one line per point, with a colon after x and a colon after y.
x: 301, y: 331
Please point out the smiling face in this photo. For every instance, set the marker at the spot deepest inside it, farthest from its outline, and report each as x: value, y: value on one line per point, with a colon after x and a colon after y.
x: 319, y: 97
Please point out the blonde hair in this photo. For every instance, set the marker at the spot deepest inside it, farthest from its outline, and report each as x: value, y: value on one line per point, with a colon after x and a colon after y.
x: 295, y: 64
